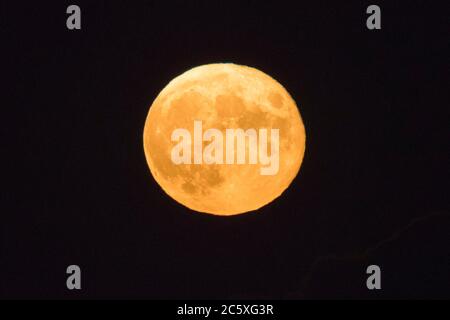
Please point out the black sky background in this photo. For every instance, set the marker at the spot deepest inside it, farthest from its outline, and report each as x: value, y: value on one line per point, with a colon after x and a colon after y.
x: 372, y: 188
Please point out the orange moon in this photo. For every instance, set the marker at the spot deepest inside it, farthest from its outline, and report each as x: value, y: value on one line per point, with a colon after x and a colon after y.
x: 223, y: 96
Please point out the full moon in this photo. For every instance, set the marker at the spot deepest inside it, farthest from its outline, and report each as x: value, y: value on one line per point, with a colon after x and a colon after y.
x: 224, y: 96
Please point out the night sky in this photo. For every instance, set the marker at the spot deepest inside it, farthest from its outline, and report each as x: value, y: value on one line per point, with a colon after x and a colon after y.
x: 372, y: 189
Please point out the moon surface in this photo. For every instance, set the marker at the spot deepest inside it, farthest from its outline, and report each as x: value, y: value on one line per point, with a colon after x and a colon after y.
x: 223, y: 96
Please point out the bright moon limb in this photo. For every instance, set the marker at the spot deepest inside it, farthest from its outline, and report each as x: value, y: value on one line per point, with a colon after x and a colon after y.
x: 224, y: 139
